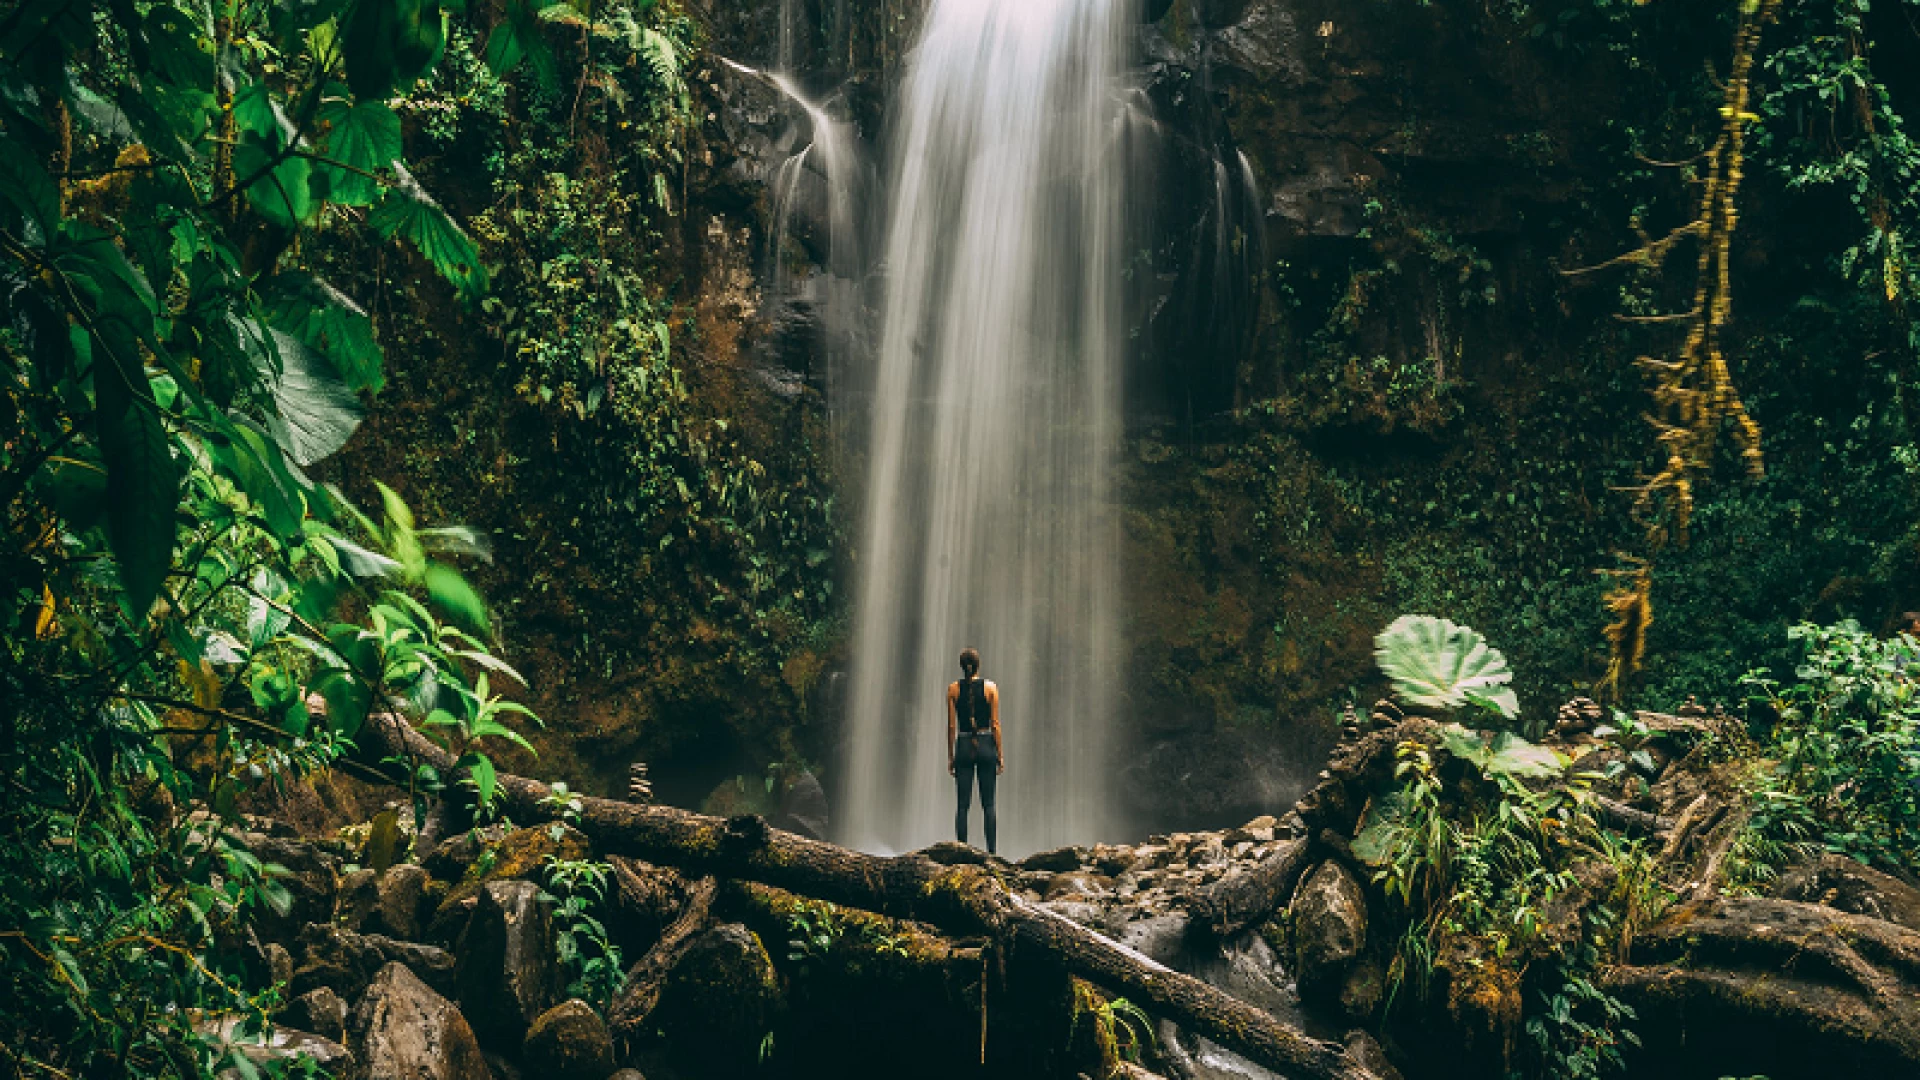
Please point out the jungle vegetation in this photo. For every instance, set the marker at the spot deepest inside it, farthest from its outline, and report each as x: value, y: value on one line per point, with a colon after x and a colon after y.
x: 223, y: 238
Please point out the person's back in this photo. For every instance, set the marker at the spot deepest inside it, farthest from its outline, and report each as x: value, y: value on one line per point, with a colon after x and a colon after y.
x: 973, y: 743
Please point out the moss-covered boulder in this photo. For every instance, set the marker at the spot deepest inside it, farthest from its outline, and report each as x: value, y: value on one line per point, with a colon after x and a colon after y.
x: 568, y: 1042
x: 719, y: 1001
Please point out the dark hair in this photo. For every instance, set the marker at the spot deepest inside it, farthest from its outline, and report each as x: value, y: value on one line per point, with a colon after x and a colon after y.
x: 970, y: 661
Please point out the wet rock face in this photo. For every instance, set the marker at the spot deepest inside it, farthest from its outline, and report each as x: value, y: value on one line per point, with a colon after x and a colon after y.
x: 384, y: 903
x: 506, y: 976
x: 340, y: 960
x: 1210, y: 779
x: 402, y: 1030
x: 568, y: 1042
x: 320, y: 1011
x: 1329, y: 929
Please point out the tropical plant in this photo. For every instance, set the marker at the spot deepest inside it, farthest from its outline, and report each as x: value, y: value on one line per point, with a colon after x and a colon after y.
x: 1439, y: 663
x: 190, y: 615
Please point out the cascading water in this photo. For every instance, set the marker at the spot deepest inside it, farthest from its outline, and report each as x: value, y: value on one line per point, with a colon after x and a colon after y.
x: 995, y: 413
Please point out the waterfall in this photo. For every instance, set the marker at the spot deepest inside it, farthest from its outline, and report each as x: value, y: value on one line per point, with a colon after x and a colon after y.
x: 995, y: 414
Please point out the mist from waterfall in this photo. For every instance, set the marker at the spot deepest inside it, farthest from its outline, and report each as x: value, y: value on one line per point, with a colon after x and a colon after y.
x: 995, y: 415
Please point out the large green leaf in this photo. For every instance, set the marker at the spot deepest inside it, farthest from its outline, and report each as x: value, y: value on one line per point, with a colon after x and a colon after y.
x: 176, y: 50
x: 1502, y: 753
x: 253, y: 462
x: 27, y: 188
x: 367, y: 37
x: 278, y: 186
x: 364, y: 137
x: 314, y: 412
x: 328, y: 321
x: 518, y: 37
x: 1440, y: 663
x: 408, y: 211
x: 1380, y: 825
x: 452, y: 593
x: 142, y: 484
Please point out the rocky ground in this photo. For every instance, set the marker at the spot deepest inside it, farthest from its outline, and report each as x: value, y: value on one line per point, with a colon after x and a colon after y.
x: 754, y: 951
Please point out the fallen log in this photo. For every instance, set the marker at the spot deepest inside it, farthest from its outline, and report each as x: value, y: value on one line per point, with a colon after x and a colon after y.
x: 1246, y: 897
x: 965, y: 899
x: 630, y: 1010
x: 1619, y: 815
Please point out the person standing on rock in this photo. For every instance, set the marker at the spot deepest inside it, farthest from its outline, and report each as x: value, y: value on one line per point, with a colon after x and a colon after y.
x: 973, y: 726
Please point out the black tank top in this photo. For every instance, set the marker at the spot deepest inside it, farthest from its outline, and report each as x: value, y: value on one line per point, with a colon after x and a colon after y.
x: 970, y: 707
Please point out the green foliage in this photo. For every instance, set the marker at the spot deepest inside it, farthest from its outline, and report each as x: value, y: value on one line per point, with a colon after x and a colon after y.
x: 1846, y: 747
x: 1438, y: 663
x: 189, y: 615
x: 1490, y: 868
x: 581, y: 942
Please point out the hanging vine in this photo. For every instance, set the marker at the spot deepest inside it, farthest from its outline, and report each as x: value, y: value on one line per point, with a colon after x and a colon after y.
x: 1694, y: 397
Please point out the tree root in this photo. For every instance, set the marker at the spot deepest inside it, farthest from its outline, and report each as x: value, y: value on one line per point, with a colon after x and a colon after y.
x: 1835, y: 988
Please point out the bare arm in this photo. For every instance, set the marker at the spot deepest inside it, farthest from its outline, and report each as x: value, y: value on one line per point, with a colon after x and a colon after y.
x: 993, y: 704
x: 953, y: 692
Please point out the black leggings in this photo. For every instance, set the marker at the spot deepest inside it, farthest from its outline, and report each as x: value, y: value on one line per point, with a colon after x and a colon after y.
x: 974, y: 754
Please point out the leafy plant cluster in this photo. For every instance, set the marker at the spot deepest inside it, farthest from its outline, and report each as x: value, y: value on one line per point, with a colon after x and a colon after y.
x: 190, y: 616
x: 1843, y: 741
x: 1485, y: 869
x: 581, y: 942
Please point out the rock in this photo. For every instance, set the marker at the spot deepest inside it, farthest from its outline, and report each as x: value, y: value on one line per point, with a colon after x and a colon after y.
x: 953, y: 853
x: 1076, y: 884
x: 1091, y: 916
x: 1056, y: 861
x: 628, y: 1074
x: 1160, y: 937
x: 321, y: 1011
x: 345, y: 962
x: 1329, y: 929
x: 1366, y: 1050
x: 398, y: 894
x: 1206, y: 852
x: 520, y: 854
x: 1151, y: 856
x: 803, y: 806
x: 279, y: 962
x: 449, y: 860
x: 1113, y: 859
x: 402, y: 1030
x: 359, y: 897
x: 310, y: 883
x: 568, y: 1042
x: 505, y: 977
x: 1843, y: 884
x: 717, y: 1001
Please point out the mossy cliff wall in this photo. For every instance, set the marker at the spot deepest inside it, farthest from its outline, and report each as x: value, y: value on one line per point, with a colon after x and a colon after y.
x: 1364, y: 383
